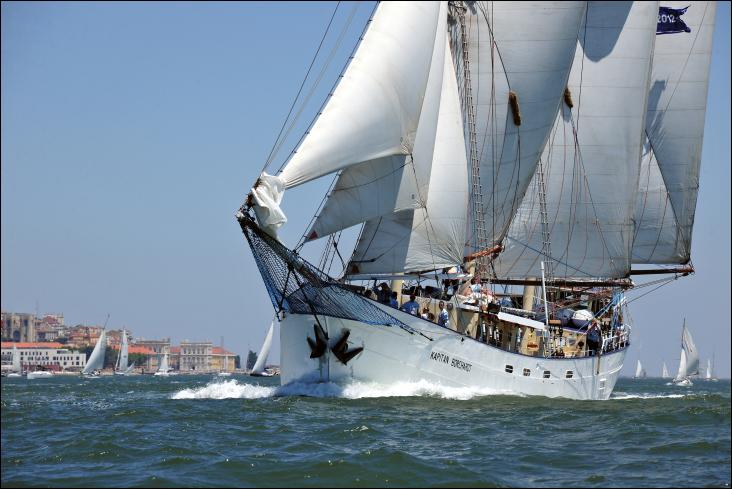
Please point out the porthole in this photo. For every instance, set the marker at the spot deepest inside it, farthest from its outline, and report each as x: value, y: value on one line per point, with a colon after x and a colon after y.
x: 509, y: 369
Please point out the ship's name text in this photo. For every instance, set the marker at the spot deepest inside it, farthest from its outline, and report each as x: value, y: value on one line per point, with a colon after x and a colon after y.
x: 454, y: 362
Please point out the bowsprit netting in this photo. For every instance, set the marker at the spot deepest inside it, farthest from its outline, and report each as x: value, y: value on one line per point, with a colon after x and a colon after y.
x: 296, y: 286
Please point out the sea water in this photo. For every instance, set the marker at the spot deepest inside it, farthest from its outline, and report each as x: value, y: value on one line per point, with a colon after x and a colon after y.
x: 241, y: 431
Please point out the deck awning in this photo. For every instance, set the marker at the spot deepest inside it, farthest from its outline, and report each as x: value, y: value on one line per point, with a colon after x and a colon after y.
x: 503, y: 316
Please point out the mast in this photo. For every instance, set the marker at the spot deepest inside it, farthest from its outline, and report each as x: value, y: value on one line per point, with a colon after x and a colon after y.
x: 476, y: 194
x: 546, y: 309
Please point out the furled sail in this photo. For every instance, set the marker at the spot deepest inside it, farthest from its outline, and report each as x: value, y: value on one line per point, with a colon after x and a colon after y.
x: 392, y: 183
x: 431, y: 236
x: 591, y: 163
x: 375, y: 109
x: 96, y: 359
x: 669, y: 178
x: 523, y: 48
x: 261, y: 362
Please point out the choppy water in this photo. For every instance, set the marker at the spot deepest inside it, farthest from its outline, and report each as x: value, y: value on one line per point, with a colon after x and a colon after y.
x: 195, y: 431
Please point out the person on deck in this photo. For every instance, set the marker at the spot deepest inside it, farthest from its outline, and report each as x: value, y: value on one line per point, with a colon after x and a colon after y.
x: 594, y: 338
x: 411, y: 307
x: 393, y: 302
x: 425, y: 313
x: 384, y: 293
x: 444, y: 318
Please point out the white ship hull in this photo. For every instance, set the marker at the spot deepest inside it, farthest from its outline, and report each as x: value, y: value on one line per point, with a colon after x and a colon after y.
x: 392, y: 354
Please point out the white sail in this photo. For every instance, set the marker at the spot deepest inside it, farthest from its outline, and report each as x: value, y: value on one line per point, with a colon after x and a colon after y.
x: 664, y: 372
x: 16, y: 360
x: 708, y: 374
x: 374, y: 110
x: 689, y: 362
x: 674, y: 130
x: 164, y: 368
x: 264, y: 352
x: 396, y: 182
x: 525, y: 48
x: 682, y: 366
x: 638, y: 370
x: 592, y: 160
x: 431, y: 236
x: 656, y: 234
x: 96, y: 359
x: 122, y: 359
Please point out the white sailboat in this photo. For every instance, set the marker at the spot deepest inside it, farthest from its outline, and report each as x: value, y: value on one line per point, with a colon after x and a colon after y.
x: 95, y: 363
x: 709, y: 374
x: 664, y: 372
x: 122, y: 368
x: 416, y: 144
x: 640, y: 372
x: 689, y: 361
x: 261, y: 363
x: 164, y: 370
x: 16, y: 371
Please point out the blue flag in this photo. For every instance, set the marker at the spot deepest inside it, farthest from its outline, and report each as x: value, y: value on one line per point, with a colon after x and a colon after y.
x: 669, y: 21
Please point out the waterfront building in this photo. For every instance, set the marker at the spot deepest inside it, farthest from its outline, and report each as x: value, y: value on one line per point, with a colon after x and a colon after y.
x: 42, y: 355
x: 174, y: 358
x: 81, y: 336
x: 18, y: 326
x: 195, y: 356
x: 157, y: 346
x: 222, y: 360
x: 53, y: 320
x: 114, y: 337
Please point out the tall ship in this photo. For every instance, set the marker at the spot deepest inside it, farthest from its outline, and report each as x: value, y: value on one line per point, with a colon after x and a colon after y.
x: 512, y: 166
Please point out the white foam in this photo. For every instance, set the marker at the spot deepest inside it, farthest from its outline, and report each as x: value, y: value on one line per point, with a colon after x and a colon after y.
x: 624, y: 395
x: 231, y: 389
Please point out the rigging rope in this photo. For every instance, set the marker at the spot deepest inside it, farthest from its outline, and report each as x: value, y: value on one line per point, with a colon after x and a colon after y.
x: 310, y: 94
x: 272, y: 152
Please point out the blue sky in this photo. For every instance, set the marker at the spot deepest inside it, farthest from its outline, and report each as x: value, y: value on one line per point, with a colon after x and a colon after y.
x: 131, y: 133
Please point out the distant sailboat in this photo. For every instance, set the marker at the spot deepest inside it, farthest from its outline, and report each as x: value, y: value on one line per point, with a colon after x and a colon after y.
x: 122, y: 368
x: 258, y: 369
x: 709, y: 375
x: 664, y: 372
x: 164, y: 370
x: 96, y: 359
x: 640, y: 372
x: 689, y: 361
x: 16, y: 372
